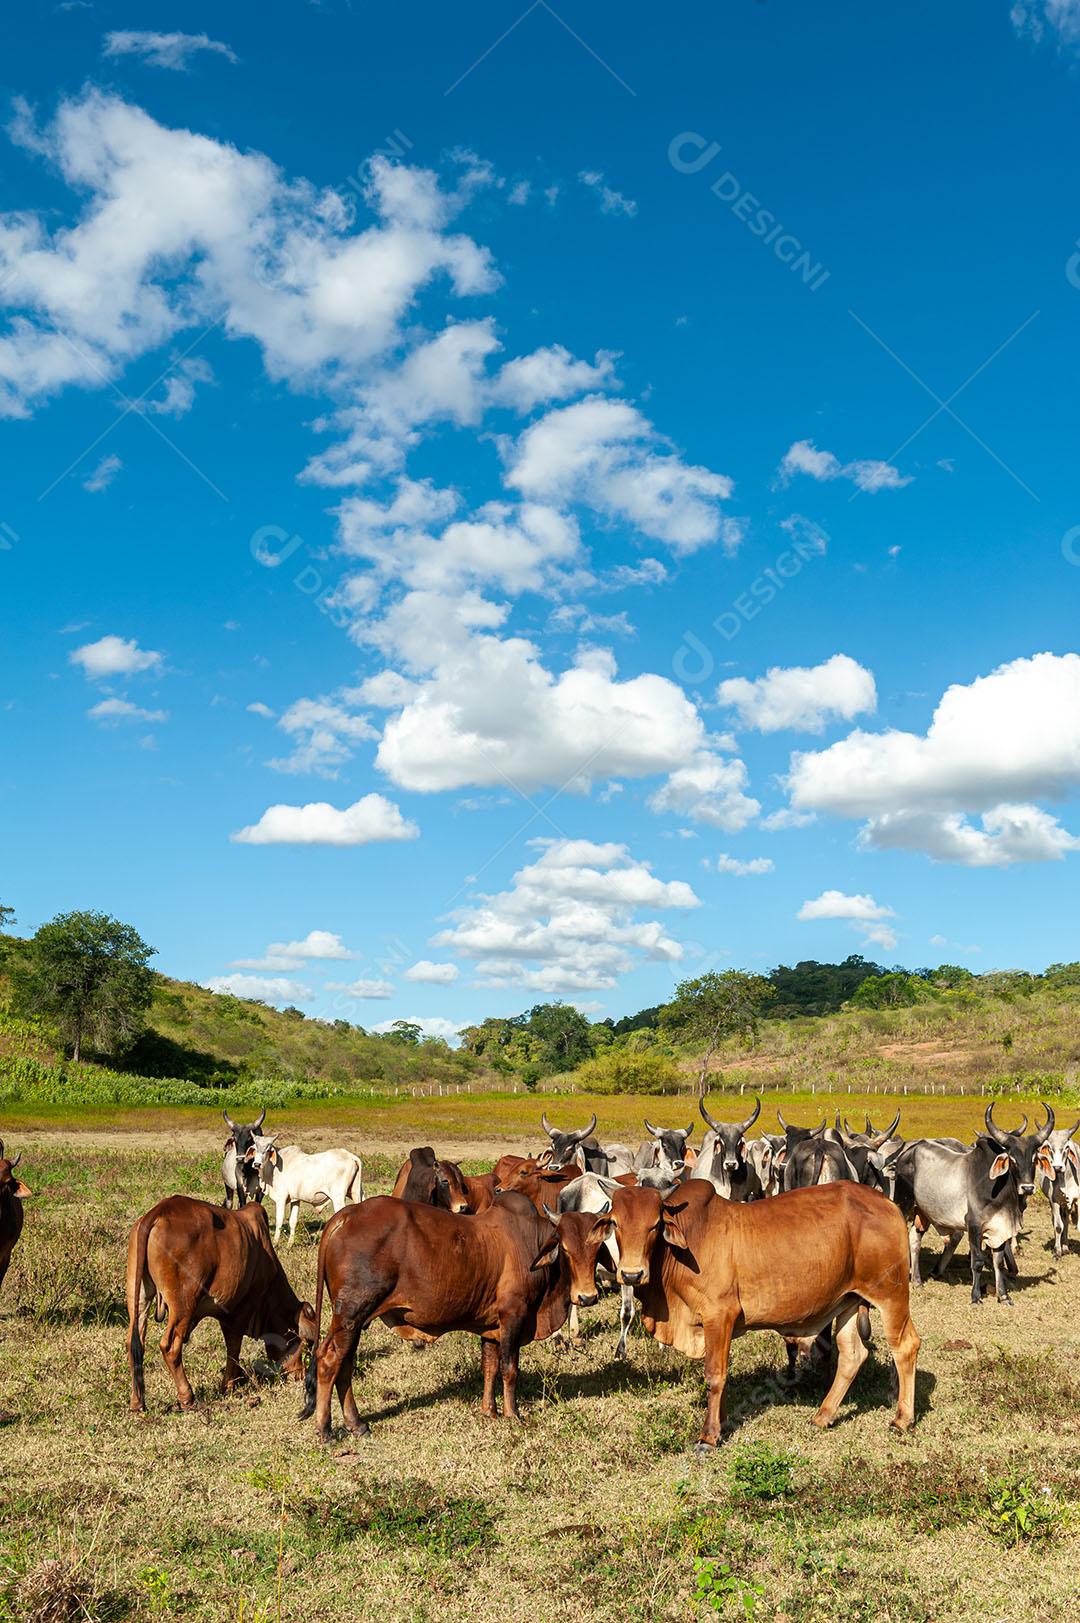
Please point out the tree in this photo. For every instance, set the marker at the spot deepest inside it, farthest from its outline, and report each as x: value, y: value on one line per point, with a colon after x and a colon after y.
x: 715, y: 1006
x: 7, y: 916
x: 896, y: 989
x: 562, y: 1033
x: 406, y: 1032
x: 89, y: 973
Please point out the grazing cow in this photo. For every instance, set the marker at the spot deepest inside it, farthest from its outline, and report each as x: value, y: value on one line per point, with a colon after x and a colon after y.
x: 973, y: 1189
x: 564, y: 1146
x: 722, y: 1159
x: 793, y: 1264
x: 424, y: 1178
x: 623, y: 1219
x: 290, y: 1176
x: 12, y: 1194
x: 194, y: 1261
x: 668, y: 1146
x: 1058, y: 1166
x: 240, y: 1166
x: 424, y: 1272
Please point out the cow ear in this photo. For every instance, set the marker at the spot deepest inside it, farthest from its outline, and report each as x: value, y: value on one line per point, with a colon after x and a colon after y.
x: 230, y: 1142
x: 1045, y: 1163
x: 1000, y: 1165
x: 781, y: 1156
x: 1073, y: 1155
x: 673, y: 1234
x: 308, y: 1327
x: 21, y: 1190
x: 553, y: 1177
x: 546, y: 1254
x: 602, y: 1229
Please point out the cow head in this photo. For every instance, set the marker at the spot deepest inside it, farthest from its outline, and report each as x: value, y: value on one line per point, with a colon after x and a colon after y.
x: 243, y: 1135
x: 1059, y: 1161
x: 10, y: 1185
x: 1021, y: 1148
x: 670, y: 1145
x: 450, y: 1191
x: 634, y: 1224
x: 563, y: 1145
x: 532, y: 1178
x: 582, y: 1236
x: 728, y: 1149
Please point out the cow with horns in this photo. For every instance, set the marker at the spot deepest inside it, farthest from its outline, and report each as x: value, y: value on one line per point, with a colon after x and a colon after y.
x: 12, y: 1194
x: 1058, y: 1166
x: 664, y: 1151
x: 244, y: 1150
x: 566, y: 1146
x: 722, y: 1159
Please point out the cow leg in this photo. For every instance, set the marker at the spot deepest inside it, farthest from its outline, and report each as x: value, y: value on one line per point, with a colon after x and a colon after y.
x: 1001, y: 1280
x: 347, y: 1398
x: 235, y: 1374
x: 510, y: 1331
x: 717, y: 1355
x: 851, y: 1354
x: 1061, y: 1228
x: 293, y: 1215
x: 1010, y: 1258
x: 975, y: 1247
x: 947, y: 1255
x: 279, y: 1213
x: 914, y: 1248
x: 334, y: 1362
x: 489, y: 1367
x: 904, y: 1344
x: 626, y: 1319
x: 172, y: 1350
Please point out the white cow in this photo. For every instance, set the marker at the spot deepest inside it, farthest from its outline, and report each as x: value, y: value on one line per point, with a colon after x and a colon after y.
x: 289, y: 1176
x: 1058, y: 1168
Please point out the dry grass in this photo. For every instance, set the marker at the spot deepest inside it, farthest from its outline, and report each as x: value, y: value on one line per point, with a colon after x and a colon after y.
x: 594, y: 1506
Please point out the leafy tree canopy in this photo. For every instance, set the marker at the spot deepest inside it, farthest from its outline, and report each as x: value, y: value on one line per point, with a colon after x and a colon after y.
x: 714, y: 1006
x: 88, y: 973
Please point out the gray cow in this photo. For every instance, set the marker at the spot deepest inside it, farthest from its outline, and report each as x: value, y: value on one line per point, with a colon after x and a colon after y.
x: 1058, y: 1166
x: 664, y: 1150
x: 762, y: 1155
x: 564, y: 1147
x: 722, y: 1159
x: 977, y: 1191
x: 244, y: 1149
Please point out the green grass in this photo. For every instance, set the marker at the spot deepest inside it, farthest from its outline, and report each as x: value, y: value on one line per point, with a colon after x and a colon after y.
x: 594, y: 1506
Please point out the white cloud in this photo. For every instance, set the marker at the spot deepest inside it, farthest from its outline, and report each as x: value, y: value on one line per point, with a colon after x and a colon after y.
x: 432, y: 1025
x: 786, y: 818
x: 868, y: 475
x: 268, y: 989
x: 994, y: 746
x: 550, y: 374
x: 370, y: 818
x: 114, y: 656
x: 603, y: 453
x: 708, y: 790
x: 801, y: 697
x: 1038, y: 18
x: 611, y: 201
x: 163, y: 50
x: 317, y: 946
x: 260, y: 709
x: 732, y: 865
x: 568, y: 923
x: 431, y: 973
x: 103, y: 474
x: 112, y: 711
x: 375, y: 991
x: 834, y: 904
x: 325, y: 734
x: 178, y: 395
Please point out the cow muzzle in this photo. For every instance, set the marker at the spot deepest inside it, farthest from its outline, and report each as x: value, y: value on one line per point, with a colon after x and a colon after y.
x: 582, y: 1299
x: 631, y: 1276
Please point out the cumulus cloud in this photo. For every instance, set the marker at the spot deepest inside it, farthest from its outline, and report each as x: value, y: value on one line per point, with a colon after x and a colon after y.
x: 368, y: 819
x: 317, y: 946
x: 569, y: 921
x: 733, y: 865
x: 869, y: 475
x: 605, y: 454
x: 102, y: 476
x: 801, y: 697
x: 994, y: 746
x: 325, y: 734
x: 111, y: 711
x: 375, y: 990
x: 431, y: 973
x: 710, y: 789
x: 265, y: 988
x: 834, y: 904
x: 163, y: 50
x: 114, y: 656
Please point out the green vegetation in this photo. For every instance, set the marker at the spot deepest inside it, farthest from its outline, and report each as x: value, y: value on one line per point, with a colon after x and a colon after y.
x: 712, y: 1007
x: 88, y: 974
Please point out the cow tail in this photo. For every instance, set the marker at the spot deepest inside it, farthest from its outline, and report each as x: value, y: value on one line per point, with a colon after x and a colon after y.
x: 819, y: 1157
x: 135, y: 1276
x: 356, y: 1183
x: 311, y: 1377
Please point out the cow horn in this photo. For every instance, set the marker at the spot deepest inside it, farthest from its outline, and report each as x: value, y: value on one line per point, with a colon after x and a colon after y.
x: 1043, y: 1133
x: 584, y: 1132
x: 257, y: 1124
x: 836, y: 1123
x: 552, y: 1217
x: 754, y: 1114
x: 891, y: 1129
x: 1022, y: 1129
x: 994, y: 1131
x: 229, y: 1121
x: 850, y: 1131
x: 2, y: 1142
x: 715, y: 1125
x: 546, y: 1125
x: 868, y: 1126
x: 814, y: 1131
x: 14, y: 1164
x: 649, y: 1128
x: 781, y: 1120
x: 1073, y: 1128
x: 690, y: 1130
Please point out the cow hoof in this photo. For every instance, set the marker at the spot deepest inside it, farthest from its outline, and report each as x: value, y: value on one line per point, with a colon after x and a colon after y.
x: 822, y: 1420
x: 306, y: 1412
x: 489, y: 1414
x: 703, y: 1449
x: 1005, y: 1301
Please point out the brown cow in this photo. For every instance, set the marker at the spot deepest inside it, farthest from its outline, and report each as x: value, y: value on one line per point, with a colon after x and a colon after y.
x: 790, y: 1264
x: 12, y: 1194
x: 425, y: 1272
x: 425, y: 1179
x: 535, y: 1180
x: 199, y: 1261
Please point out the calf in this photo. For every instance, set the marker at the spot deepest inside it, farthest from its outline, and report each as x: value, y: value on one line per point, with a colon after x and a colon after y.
x: 290, y: 1176
x: 424, y: 1272
x: 1058, y: 1167
x: 192, y: 1261
x: 623, y: 1227
x: 12, y: 1194
x: 793, y: 1264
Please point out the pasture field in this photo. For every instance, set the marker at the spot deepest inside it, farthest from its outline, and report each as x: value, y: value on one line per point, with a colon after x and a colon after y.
x: 594, y: 1507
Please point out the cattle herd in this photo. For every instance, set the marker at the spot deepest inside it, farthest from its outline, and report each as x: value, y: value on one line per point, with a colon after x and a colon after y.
x: 799, y: 1232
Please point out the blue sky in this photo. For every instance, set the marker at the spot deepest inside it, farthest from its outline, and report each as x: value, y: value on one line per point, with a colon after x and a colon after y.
x: 501, y: 505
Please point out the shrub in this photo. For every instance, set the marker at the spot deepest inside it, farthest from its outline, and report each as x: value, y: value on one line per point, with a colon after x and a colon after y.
x: 761, y: 1472
x: 617, y: 1070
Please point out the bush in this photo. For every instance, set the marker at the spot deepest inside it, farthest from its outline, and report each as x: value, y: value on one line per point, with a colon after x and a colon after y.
x: 617, y: 1070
